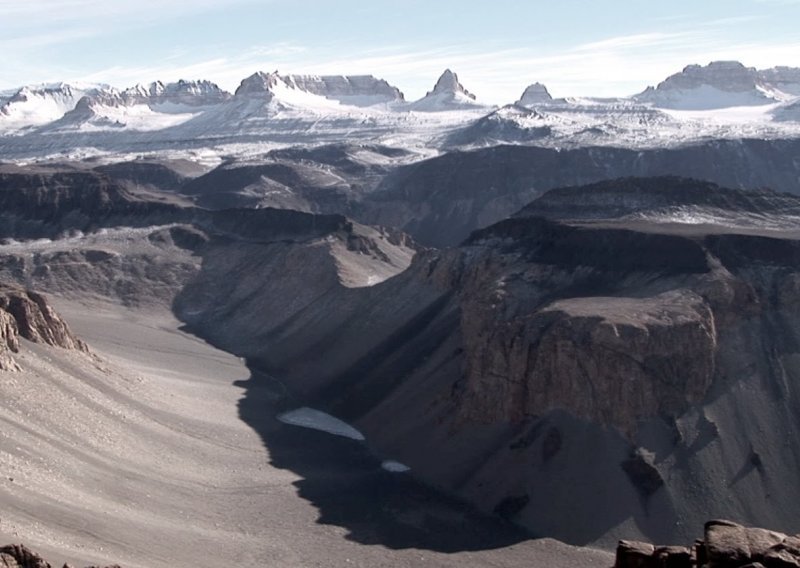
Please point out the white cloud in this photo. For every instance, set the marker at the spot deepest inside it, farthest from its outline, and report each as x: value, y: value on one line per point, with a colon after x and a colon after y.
x: 44, y: 12
x: 615, y: 65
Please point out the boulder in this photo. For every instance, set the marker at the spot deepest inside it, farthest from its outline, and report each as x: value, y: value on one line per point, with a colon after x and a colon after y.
x: 632, y: 554
x: 730, y: 545
x: 673, y: 557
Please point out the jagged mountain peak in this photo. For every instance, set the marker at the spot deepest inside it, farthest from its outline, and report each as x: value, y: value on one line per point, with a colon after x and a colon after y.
x: 447, y: 94
x: 719, y: 84
x: 34, y: 105
x: 258, y: 83
x: 55, y: 90
x: 448, y: 83
x: 536, y: 93
x: 192, y: 93
x: 724, y: 75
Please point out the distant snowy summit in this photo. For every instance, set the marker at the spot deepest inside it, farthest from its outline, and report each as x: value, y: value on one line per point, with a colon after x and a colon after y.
x: 188, y: 93
x: 447, y: 94
x: 35, y: 105
x: 353, y: 90
x: 723, y: 84
x: 144, y: 107
x: 284, y: 109
x: 535, y: 94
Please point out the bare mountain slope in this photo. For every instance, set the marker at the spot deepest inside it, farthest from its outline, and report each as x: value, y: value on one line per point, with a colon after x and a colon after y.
x: 641, y: 363
x: 440, y: 201
x: 148, y: 455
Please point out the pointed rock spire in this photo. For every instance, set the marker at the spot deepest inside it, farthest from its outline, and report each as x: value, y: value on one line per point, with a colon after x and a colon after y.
x: 448, y: 83
x: 535, y: 94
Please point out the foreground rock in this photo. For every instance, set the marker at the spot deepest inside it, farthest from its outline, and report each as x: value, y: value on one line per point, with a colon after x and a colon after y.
x: 725, y: 545
x: 19, y: 556
x: 27, y: 314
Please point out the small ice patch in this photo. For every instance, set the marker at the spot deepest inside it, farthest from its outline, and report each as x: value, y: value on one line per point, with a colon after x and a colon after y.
x: 316, y: 420
x: 395, y: 467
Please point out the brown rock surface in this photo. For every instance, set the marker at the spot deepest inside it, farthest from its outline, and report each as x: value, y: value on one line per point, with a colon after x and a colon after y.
x: 9, y: 341
x: 572, y: 353
x: 19, y: 556
x: 632, y: 554
x: 726, y: 545
x: 27, y: 314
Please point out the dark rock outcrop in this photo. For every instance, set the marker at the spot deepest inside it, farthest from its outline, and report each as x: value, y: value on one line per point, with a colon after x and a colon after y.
x: 45, y: 203
x: 28, y: 314
x: 324, y: 179
x: 165, y: 175
x: 20, y: 556
x: 632, y: 554
x: 9, y: 341
x: 440, y: 201
x: 512, y: 123
x: 665, y: 198
x: 725, y: 545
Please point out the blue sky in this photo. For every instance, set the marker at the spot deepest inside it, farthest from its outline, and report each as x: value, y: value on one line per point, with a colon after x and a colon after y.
x: 575, y: 47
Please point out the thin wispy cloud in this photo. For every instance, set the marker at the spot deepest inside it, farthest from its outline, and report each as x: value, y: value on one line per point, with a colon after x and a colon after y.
x: 614, y: 66
x: 45, y: 12
x: 225, y: 41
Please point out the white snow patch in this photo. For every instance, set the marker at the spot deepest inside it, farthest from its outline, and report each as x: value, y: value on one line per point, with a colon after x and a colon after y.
x: 395, y: 467
x: 317, y: 420
x: 707, y: 97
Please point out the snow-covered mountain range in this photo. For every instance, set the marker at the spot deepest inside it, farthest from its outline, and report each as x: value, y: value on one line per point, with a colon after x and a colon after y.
x: 723, y: 84
x: 721, y: 100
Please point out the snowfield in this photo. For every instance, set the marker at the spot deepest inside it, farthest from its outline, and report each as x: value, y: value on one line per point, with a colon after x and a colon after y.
x: 724, y: 100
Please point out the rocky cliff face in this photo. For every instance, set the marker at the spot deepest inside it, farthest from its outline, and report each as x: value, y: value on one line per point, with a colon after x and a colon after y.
x: 45, y: 203
x: 188, y: 93
x: 27, y: 314
x: 573, y: 353
x: 668, y: 199
x: 638, y: 362
x: 641, y: 361
x: 724, y: 75
x: 472, y: 191
x: 166, y: 176
x: 782, y: 78
x: 258, y: 84
x: 326, y: 179
x: 9, y: 341
x: 359, y: 90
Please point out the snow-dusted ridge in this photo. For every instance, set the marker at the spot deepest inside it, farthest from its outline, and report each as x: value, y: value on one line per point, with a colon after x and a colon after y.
x: 724, y: 100
x: 722, y: 84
